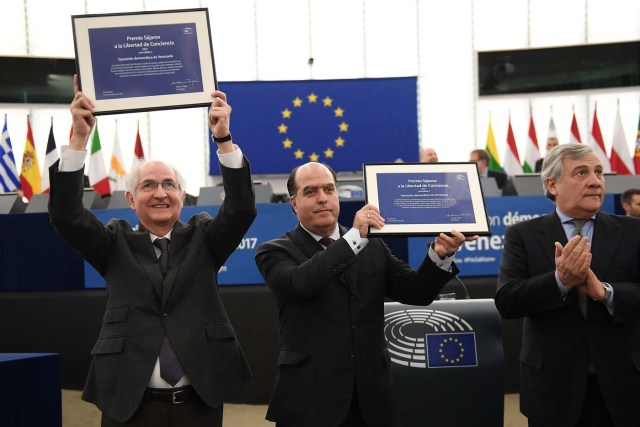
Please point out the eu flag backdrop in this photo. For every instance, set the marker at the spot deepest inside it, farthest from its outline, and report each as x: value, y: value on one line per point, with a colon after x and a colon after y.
x: 343, y: 123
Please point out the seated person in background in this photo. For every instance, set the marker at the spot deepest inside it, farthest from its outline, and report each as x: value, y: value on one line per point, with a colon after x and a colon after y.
x: 428, y: 155
x: 552, y: 141
x: 481, y: 157
x: 630, y: 201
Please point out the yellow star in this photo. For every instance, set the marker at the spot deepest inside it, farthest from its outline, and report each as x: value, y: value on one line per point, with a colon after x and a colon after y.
x: 313, y: 157
x: 339, y: 112
x: 298, y: 153
x: 312, y: 98
x: 282, y: 128
x: 328, y: 153
x: 286, y: 113
x: 327, y: 101
x: 297, y: 102
x: 340, y: 142
x: 287, y: 143
x: 344, y: 127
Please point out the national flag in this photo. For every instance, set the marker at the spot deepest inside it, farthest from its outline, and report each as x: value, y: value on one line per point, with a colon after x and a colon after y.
x: 117, y: 174
x: 30, y: 175
x: 621, y: 162
x: 98, y: 178
x: 575, y: 132
x: 636, y: 156
x: 494, y: 159
x: 451, y: 349
x: 512, y: 165
x: 49, y: 159
x: 9, y: 178
x: 551, y: 133
x: 138, y: 152
x: 597, y: 142
x: 532, y: 151
x: 338, y: 122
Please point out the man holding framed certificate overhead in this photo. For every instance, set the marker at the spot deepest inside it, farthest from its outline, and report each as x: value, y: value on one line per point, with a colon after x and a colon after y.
x: 330, y: 283
x: 167, y: 354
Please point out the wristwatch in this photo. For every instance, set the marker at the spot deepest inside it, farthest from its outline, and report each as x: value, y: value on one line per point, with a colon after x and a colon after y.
x: 607, y: 293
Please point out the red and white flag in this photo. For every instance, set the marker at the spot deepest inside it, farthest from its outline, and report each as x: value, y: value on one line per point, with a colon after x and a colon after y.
x: 511, y: 165
x: 620, y: 156
x: 138, y: 152
x: 532, y: 152
x: 575, y: 132
x: 597, y: 143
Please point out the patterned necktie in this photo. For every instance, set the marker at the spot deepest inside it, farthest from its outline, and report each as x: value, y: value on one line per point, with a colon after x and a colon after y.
x: 170, y: 369
x: 582, y: 297
x: 326, y: 241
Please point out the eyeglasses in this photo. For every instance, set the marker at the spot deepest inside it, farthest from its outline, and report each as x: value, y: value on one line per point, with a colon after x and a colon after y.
x: 167, y: 185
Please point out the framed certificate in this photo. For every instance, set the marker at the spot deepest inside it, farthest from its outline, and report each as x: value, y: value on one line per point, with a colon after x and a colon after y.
x: 426, y: 199
x: 145, y: 61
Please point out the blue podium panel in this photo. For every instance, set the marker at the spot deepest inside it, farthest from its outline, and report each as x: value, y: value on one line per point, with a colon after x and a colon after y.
x: 447, y: 363
x: 30, y: 393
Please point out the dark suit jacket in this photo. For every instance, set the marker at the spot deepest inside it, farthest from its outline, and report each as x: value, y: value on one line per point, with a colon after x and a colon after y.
x: 331, y: 314
x: 142, y: 307
x: 500, y: 177
x: 557, y: 341
x: 539, y: 165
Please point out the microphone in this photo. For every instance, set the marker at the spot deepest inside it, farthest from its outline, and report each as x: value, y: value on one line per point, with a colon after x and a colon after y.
x: 466, y: 291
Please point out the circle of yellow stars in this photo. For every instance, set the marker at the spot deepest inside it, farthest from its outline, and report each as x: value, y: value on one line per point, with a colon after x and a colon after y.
x: 452, y: 360
x: 327, y: 102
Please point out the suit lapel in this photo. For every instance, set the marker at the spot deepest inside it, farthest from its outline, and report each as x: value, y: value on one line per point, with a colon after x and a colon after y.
x: 179, y: 239
x: 142, y: 249
x: 606, y: 238
x: 549, y: 231
x: 305, y: 242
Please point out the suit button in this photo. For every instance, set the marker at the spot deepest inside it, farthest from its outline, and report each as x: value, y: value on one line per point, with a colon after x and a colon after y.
x: 165, y: 316
x: 354, y: 327
x: 352, y: 297
x: 352, y: 357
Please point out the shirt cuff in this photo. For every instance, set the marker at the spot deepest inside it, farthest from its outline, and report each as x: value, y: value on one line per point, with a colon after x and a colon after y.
x: 561, y: 287
x: 71, y: 160
x: 444, y: 264
x: 356, y: 243
x: 232, y: 160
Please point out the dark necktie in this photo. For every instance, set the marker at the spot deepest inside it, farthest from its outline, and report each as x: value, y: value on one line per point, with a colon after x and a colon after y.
x: 582, y: 297
x: 327, y: 241
x: 170, y: 369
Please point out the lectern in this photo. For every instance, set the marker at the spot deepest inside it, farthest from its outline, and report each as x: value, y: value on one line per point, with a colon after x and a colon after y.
x: 447, y: 363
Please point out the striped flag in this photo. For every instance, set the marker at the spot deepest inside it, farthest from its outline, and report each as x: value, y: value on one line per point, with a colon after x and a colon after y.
x: 597, y: 143
x: 620, y: 156
x: 98, y: 177
x: 512, y: 165
x: 138, y: 152
x: 9, y: 179
x: 575, y: 132
x: 117, y: 174
x: 532, y: 151
x: 49, y: 159
x: 30, y: 174
x: 494, y: 159
x: 636, y: 156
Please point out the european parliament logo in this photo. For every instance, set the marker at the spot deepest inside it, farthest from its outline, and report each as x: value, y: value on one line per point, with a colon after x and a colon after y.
x: 422, y: 338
